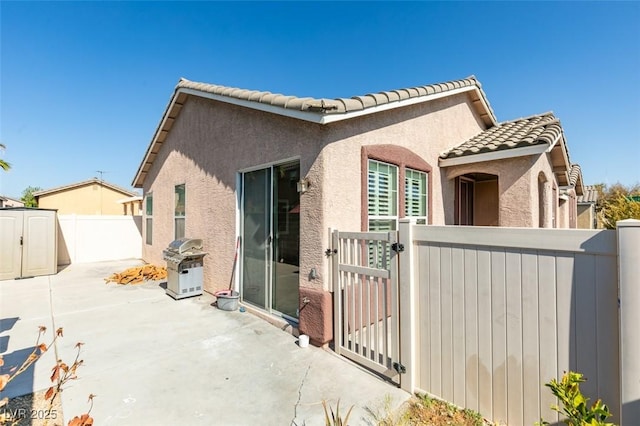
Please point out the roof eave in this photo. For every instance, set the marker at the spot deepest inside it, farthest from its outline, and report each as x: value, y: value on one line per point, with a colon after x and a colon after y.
x: 493, y: 155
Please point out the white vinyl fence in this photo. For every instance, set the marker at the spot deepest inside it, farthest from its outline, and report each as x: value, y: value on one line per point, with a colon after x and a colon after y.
x: 489, y: 315
x: 95, y: 238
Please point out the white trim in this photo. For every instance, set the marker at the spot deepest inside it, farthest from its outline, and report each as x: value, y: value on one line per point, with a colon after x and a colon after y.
x: 555, y: 141
x: 301, y: 115
x: 331, y: 118
x: 127, y: 200
x: 494, y: 155
x: 323, y: 118
x: 154, y: 141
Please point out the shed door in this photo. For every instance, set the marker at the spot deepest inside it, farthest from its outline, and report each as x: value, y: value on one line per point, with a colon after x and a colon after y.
x: 10, y: 249
x: 39, y: 239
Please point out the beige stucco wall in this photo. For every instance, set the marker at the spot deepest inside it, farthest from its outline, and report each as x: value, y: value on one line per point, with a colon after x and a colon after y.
x: 132, y: 208
x: 585, y: 216
x: 11, y: 203
x: 210, y: 142
x: 425, y: 129
x: 519, y: 190
x: 89, y: 199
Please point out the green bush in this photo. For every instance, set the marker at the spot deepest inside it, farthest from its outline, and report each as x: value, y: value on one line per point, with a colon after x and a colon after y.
x: 575, y: 406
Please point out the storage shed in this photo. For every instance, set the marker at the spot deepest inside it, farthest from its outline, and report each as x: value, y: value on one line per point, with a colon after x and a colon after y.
x: 28, y: 242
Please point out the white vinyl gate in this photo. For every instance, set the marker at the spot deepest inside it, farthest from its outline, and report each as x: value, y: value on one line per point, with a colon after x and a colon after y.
x: 365, y: 283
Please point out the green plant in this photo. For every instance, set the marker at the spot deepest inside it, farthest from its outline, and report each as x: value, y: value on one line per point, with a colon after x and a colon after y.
x: 617, y: 202
x: 3, y: 164
x: 335, y: 419
x: 61, y: 373
x: 575, y: 406
x: 28, y: 198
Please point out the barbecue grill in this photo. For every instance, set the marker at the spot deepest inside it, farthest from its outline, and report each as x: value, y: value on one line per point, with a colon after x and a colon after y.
x: 184, y: 259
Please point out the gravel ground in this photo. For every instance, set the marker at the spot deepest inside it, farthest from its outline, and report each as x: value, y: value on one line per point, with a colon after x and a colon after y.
x: 34, y: 410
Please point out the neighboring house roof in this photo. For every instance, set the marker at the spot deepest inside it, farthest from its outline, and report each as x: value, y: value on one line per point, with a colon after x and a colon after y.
x: 5, y: 198
x: 320, y: 111
x: 13, y: 201
x: 590, y: 195
x: 85, y: 183
x: 525, y: 136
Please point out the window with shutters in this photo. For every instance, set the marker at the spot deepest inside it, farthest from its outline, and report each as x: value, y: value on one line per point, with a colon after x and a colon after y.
x: 415, y: 195
x: 384, y: 202
x: 382, y: 196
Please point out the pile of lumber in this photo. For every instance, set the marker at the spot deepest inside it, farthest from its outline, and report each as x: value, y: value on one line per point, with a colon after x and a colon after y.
x: 138, y: 274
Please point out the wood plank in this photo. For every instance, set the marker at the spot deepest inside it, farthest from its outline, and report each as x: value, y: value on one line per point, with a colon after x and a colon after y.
x: 363, y: 270
x: 485, y: 335
x: 530, y: 339
x: 458, y: 326
x: 586, y: 325
x: 548, y: 329
x: 499, y: 343
x: 435, y: 321
x: 513, y: 285
x: 472, y: 388
x: 375, y: 236
x: 446, y: 322
x: 338, y: 310
x: 424, y: 323
x: 607, y: 331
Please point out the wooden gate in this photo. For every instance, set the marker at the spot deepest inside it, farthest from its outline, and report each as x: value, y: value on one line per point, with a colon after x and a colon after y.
x: 365, y: 285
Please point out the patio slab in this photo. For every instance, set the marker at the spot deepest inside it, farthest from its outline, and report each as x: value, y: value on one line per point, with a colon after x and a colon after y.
x: 153, y: 360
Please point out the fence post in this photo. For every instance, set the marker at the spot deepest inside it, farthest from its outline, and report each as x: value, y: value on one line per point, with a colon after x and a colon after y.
x: 408, y: 300
x: 334, y: 242
x: 629, y: 285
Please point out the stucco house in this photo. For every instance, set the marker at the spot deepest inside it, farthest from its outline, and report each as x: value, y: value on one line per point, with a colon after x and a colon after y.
x: 280, y: 171
x: 587, y: 217
x: 10, y: 202
x: 89, y: 197
x: 131, y: 206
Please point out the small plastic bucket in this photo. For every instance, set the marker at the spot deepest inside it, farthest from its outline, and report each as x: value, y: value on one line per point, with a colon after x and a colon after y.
x: 227, y: 300
x: 303, y: 340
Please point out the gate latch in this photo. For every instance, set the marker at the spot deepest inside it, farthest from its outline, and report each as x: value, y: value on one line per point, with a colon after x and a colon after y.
x: 330, y: 252
x: 401, y: 369
x: 397, y: 247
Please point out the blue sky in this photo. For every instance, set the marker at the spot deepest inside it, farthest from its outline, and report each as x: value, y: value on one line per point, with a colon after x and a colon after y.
x: 83, y: 85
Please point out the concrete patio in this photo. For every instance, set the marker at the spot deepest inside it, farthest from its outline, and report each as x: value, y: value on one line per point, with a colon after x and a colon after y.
x: 153, y: 360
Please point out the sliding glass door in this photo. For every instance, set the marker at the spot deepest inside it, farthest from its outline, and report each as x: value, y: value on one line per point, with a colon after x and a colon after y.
x: 270, y: 229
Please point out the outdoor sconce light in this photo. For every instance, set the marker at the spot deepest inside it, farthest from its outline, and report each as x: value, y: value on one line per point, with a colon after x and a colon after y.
x: 303, y: 185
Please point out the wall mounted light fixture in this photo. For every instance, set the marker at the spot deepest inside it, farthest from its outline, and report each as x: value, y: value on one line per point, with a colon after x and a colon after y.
x: 303, y: 185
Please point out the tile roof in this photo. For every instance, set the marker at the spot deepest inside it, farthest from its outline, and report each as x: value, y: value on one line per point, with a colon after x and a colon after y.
x: 83, y: 183
x: 321, y: 110
x: 523, y: 132
x: 333, y: 106
x: 574, y: 174
x: 590, y: 194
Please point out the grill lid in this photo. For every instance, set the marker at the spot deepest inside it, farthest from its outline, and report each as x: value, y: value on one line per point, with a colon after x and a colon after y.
x: 183, y: 245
